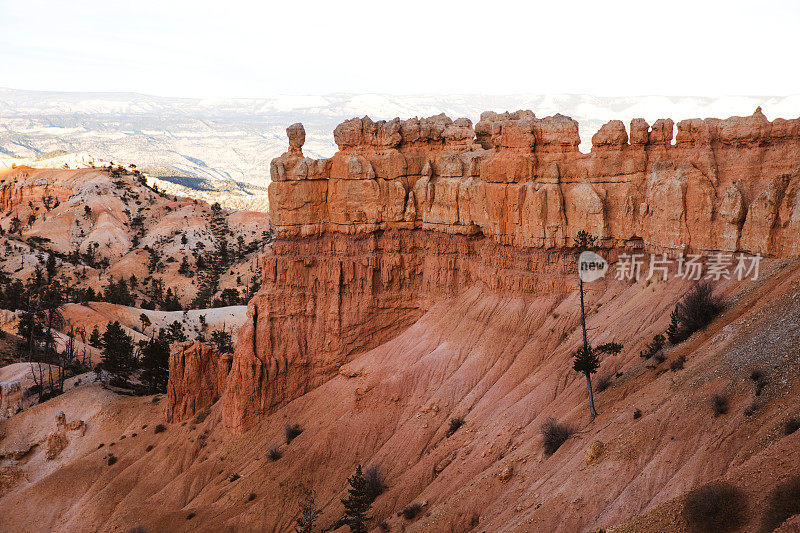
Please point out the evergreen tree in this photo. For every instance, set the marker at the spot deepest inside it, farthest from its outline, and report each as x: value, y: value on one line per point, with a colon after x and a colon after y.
x: 175, y: 333
x: 587, y: 359
x: 357, y: 503
x: 117, y: 353
x: 673, y: 333
x: 307, y: 512
x: 222, y: 341
x: 155, y: 364
x: 95, y: 339
x: 51, y: 266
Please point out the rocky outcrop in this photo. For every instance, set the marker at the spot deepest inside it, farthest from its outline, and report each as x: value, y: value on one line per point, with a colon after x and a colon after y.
x: 11, y: 397
x: 408, y: 212
x: 197, y: 375
x: 58, y: 440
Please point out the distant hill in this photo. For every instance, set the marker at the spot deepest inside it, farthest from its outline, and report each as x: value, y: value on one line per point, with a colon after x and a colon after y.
x: 235, y: 139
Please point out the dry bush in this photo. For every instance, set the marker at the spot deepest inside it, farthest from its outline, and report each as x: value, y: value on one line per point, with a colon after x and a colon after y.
x: 719, y: 404
x: 455, y: 423
x: 291, y: 432
x: 274, y: 452
x: 783, y: 503
x: 554, y: 435
x: 160, y: 428
x: 375, y: 483
x: 602, y: 383
x: 637, y: 413
x: 678, y: 363
x: 411, y: 511
x: 791, y: 425
x: 715, y: 508
x: 697, y: 309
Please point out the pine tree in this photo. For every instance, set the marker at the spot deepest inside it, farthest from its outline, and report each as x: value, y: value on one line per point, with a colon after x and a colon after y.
x: 357, y: 503
x: 673, y: 332
x: 307, y: 512
x: 117, y: 352
x: 587, y: 360
x: 95, y: 339
x: 155, y: 364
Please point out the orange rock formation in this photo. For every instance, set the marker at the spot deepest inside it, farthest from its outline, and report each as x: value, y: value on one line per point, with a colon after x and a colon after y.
x: 409, y: 212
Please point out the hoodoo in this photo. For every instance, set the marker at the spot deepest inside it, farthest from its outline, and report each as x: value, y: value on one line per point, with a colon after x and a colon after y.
x: 408, y: 212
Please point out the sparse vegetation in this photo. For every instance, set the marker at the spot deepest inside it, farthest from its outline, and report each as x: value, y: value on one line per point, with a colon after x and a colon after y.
x: 751, y: 409
x: 791, y: 425
x: 678, y: 363
x: 234, y: 477
x: 291, y: 432
x: 783, y: 503
x: 653, y: 348
x: 717, y: 507
x: 602, y: 383
x: 251, y: 497
x: 160, y: 428
x: 554, y: 435
x: 719, y: 404
x: 694, y: 312
x: 112, y: 459
x: 411, y: 511
x: 375, y: 483
x: 357, y: 503
x: 274, y: 452
x: 455, y: 423
x: 637, y: 414
x: 307, y: 512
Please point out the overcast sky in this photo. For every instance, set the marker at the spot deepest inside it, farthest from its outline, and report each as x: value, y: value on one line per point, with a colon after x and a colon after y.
x: 233, y: 48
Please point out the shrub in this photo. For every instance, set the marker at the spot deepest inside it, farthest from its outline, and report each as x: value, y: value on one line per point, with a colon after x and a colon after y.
x: 190, y: 516
x: 160, y: 428
x: 678, y: 363
x: 291, y: 432
x: 375, y: 482
x: 554, y: 435
x: 717, y: 507
x: 750, y: 410
x: 783, y: 503
x: 112, y: 459
x: 697, y: 309
x: 455, y: 423
x: 637, y: 413
x: 791, y: 425
x: 234, y: 477
x: 659, y: 357
x: 602, y: 383
x: 757, y: 375
x: 719, y: 404
x: 274, y: 452
x: 411, y: 511
x: 251, y: 497
x: 149, y: 447
x: 383, y: 526
x: 653, y: 347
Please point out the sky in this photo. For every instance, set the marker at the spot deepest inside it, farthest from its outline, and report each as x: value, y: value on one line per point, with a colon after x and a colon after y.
x: 258, y: 49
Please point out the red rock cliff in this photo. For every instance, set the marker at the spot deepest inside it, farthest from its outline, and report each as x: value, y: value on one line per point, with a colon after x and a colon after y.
x: 408, y: 212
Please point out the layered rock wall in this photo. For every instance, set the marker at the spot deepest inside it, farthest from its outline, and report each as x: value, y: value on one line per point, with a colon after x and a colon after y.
x: 408, y: 212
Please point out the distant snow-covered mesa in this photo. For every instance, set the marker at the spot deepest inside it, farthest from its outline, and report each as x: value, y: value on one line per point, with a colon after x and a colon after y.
x: 221, y: 148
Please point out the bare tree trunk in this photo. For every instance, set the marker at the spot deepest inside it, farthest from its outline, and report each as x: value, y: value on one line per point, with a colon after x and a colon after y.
x: 591, y: 396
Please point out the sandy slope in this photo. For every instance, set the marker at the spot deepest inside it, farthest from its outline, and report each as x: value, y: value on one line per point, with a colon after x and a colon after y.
x: 503, y: 364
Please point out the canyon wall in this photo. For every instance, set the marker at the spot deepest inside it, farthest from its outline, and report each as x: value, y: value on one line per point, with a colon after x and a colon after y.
x: 409, y: 212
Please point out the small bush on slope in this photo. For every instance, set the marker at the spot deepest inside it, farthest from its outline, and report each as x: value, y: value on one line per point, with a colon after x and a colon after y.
x: 783, y: 503
x: 697, y: 309
x: 715, y: 508
x: 375, y: 482
x: 455, y: 423
x: 554, y: 435
x: 291, y: 432
x: 719, y: 404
